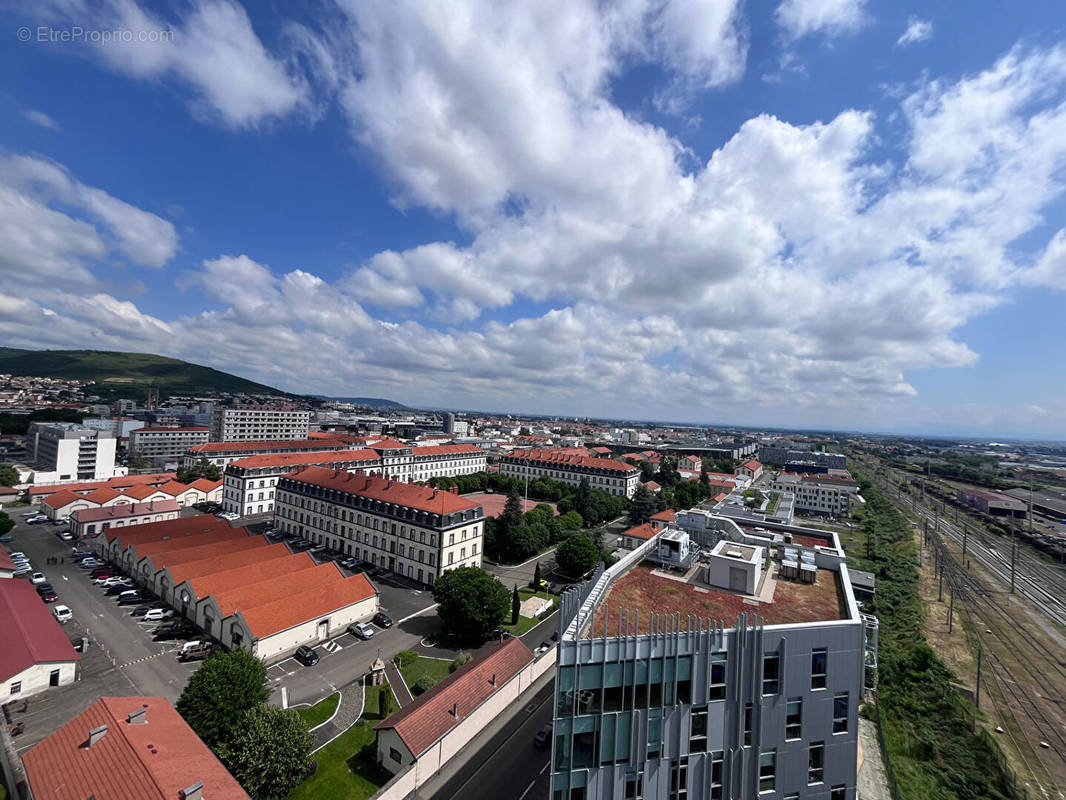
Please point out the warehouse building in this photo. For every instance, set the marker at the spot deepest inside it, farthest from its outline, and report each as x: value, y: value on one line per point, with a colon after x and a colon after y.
x: 35, y: 653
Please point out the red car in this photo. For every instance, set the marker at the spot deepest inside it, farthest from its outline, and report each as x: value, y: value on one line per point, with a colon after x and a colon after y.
x: 49, y: 596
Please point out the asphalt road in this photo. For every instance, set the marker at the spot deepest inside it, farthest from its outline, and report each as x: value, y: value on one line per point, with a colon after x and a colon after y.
x: 509, y: 766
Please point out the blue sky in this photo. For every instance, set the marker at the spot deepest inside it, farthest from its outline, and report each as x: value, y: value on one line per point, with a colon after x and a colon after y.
x: 804, y: 213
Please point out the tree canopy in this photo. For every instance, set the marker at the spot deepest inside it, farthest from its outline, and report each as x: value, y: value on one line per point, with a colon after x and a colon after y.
x: 269, y: 752
x: 224, y: 687
x: 6, y: 523
x: 9, y: 476
x: 642, y: 506
x: 201, y: 469
x: 576, y: 556
x: 471, y: 603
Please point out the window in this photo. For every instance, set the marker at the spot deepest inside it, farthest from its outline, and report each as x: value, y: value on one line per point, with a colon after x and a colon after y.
x: 717, y: 758
x: 717, y: 684
x: 16, y: 687
x: 770, y: 673
x: 838, y: 792
x: 451, y: 538
x: 698, y: 730
x: 815, y: 762
x: 767, y: 770
x: 462, y: 554
x: 747, y: 724
x: 451, y: 558
x: 840, y: 712
x: 394, y: 754
x: 634, y: 787
x: 794, y: 718
x: 819, y: 663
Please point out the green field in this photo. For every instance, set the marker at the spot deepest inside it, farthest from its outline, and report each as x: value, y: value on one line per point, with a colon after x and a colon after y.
x: 126, y: 374
x: 346, y: 766
x: 321, y: 711
x: 436, y: 669
x: 526, y: 624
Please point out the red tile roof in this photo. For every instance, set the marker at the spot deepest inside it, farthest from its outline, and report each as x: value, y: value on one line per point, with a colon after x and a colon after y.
x: 567, y: 459
x: 161, y: 546
x: 280, y: 615
x: 224, y: 580
x: 752, y: 465
x: 602, y: 450
x: 150, y: 761
x: 113, y: 483
x: 29, y: 632
x: 122, y: 510
x: 429, y: 717
x: 102, y: 495
x: 141, y: 492
x: 272, y: 444
x: 227, y: 561
x: 174, y: 488
x: 204, y: 485
x: 652, y: 486
x: 446, y: 449
x: 297, y: 459
x: 290, y: 584
x: 423, y: 498
x: 642, y: 531
x: 214, y: 550
x: 157, y: 531
x: 668, y: 515
x: 60, y: 499
x: 387, y: 444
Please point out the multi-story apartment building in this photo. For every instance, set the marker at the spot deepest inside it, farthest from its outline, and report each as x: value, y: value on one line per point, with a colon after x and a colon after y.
x: 817, y: 494
x: 748, y: 694
x: 783, y: 453
x: 249, y: 483
x: 65, y: 451
x: 248, y: 423
x: 415, y: 531
x: 613, y: 477
x: 222, y: 453
x: 165, y: 444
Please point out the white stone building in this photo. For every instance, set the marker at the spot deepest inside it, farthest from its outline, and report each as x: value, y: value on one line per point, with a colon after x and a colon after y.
x: 65, y: 451
x: 613, y: 477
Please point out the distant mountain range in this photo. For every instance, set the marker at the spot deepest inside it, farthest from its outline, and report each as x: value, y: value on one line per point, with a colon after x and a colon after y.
x: 127, y: 374
x: 369, y: 402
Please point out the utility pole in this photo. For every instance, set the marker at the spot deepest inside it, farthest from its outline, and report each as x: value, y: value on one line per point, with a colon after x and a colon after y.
x: 1030, y: 508
x: 1013, y: 556
x: 965, y: 540
x: 940, y: 590
x: 951, y: 610
x: 977, y: 694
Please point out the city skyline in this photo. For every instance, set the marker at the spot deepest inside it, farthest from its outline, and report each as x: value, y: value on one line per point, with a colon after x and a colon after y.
x: 838, y: 215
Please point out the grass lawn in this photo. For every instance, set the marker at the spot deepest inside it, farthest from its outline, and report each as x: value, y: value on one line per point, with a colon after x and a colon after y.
x: 346, y: 766
x: 434, y: 668
x: 526, y: 624
x: 320, y: 711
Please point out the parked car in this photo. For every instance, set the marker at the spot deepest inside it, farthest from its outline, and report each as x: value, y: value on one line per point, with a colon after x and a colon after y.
x: 43, y: 587
x: 159, y: 614
x: 102, y: 578
x: 318, y: 548
x: 62, y: 614
x: 349, y: 563
x: 133, y: 599
x: 6, y: 539
x: 361, y: 629
x: 382, y: 570
x: 38, y: 577
x: 543, y: 737
x: 196, y: 651
x: 90, y: 563
x: 16, y: 555
x: 66, y: 536
x: 382, y: 620
x: 22, y: 570
x: 501, y: 634
x: 49, y: 596
x: 41, y: 520
x: 306, y: 656
x: 144, y: 608
x: 178, y: 629
x: 118, y: 588
x: 76, y: 553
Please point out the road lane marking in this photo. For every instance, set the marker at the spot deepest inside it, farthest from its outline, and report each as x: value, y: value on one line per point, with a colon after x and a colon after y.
x: 412, y: 616
x: 528, y: 790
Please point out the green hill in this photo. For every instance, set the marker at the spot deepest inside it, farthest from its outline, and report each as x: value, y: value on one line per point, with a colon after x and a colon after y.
x: 127, y: 374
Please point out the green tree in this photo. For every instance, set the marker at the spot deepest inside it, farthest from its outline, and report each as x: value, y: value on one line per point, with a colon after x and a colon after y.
x: 512, y: 514
x: 201, y: 469
x: 137, y: 462
x: 219, y: 692
x: 571, y: 521
x: 647, y: 471
x: 269, y: 752
x: 583, y: 503
x: 9, y: 476
x: 642, y: 506
x: 471, y: 603
x: 516, y: 606
x: 384, y: 699
x: 536, y: 577
x: 6, y: 523
x: 667, y: 474
x: 524, y: 431
x: 576, y: 556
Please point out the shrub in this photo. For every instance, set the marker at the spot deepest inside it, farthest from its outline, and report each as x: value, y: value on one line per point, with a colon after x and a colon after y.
x: 422, y: 685
x: 461, y: 659
x: 405, y: 657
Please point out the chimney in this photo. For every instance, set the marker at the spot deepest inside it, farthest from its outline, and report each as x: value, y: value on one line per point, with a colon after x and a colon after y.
x: 493, y: 680
x: 455, y: 710
x: 138, y: 716
x: 194, y: 792
x: 96, y: 734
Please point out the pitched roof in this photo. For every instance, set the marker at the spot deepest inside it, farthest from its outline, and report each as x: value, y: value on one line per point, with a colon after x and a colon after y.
x: 174, y: 488
x: 224, y: 580
x: 266, y: 444
x: 424, y: 721
x: 227, y: 561
x: 160, y: 546
x: 423, y: 498
x: 204, y: 485
x: 387, y: 444
x: 652, y: 486
x: 297, y: 459
x: 60, y: 499
x: 565, y: 458
x: 279, y: 615
x: 28, y: 630
x: 157, y: 531
x: 113, y: 483
x: 291, y: 583
x: 642, y: 531
x: 602, y: 450
x: 153, y: 760
x: 667, y: 515
x: 122, y: 510
x: 445, y: 449
x: 752, y: 465
x: 102, y: 495
x: 169, y: 558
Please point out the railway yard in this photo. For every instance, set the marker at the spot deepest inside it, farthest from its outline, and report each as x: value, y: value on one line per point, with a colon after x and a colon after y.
x: 1013, y: 637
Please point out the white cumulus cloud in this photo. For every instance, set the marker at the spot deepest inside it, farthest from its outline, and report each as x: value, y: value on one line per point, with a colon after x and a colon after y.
x: 918, y: 30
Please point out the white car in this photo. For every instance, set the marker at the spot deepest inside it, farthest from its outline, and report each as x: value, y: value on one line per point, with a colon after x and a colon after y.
x: 36, y: 518
x: 16, y: 556
x: 115, y: 579
x: 62, y: 613
x: 38, y: 577
x: 361, y: 629
x: 65, y: 536
x: 158, y: 614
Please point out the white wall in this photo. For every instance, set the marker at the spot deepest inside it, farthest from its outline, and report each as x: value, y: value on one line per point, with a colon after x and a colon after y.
x: 35, y: 679
x: 281, y: 644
